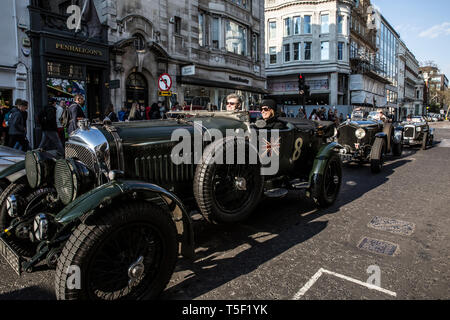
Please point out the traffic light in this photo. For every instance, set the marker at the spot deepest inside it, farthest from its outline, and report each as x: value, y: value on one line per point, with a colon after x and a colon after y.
x: 301, y: 83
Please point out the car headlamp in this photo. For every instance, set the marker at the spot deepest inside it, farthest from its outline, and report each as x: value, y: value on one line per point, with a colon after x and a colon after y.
x: 360, y: 133
x: 72, y: 178
x: 39, y: 167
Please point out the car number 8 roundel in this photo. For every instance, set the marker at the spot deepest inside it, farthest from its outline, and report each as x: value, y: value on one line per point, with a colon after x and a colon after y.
x: 297, y: 149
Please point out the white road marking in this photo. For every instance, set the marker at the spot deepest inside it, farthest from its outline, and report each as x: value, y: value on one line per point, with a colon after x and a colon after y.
x: 321, y: 271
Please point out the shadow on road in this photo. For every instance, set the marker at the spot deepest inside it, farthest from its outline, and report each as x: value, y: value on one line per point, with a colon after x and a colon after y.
x: 227, y: 252
x: 30, y: 293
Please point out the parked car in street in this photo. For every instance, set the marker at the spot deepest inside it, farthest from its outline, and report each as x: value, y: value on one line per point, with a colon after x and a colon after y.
x: 117, y: 206
x: 418, y: 132
x: 365, y: 139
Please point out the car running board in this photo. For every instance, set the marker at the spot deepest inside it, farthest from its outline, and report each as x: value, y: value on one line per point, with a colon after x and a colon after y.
x: 299, y: 184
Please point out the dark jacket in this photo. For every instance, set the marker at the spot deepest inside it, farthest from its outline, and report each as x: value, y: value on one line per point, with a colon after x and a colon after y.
x: 113, y: 117
x: 136, y: 116
x: 47, y: 119
x: 17, y: 122
x: 274, y: 123
x: 75, y: 112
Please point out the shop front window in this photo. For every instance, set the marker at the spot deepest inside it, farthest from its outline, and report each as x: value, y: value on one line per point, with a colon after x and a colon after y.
x: 6, y: 97
x: 65, y: 70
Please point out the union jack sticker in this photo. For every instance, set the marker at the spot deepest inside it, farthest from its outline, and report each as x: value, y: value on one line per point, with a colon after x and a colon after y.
x: 269, y: 147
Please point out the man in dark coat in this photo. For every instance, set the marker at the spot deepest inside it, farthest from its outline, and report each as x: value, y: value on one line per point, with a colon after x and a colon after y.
x: 18, y: 127
x: 270, y: 115
x: 75, y: 113
x: 47, y: 119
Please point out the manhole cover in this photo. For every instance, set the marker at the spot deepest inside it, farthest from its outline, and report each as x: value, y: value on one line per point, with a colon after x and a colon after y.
x: 392, y: 225
x: 379, y: 246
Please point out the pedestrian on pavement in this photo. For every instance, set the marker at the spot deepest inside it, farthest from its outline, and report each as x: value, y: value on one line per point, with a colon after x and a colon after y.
x: 314, y: 115
x: 155, y: 111
x: 110, y: 114
x: 142, y: 112
x: 5, y: 112
x: 48, y: 121
x: 135, y: 112
x: 330, y: 116
x: 301, y: 114
x: 18, y: 126
x: 75, y: 113
x: 123, y: 114
x: 162, y: 111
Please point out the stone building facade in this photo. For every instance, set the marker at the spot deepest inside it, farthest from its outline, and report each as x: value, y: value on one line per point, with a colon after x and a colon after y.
x: 311, y: 38
x: 410, y: 84
x: 15, y: 55
x: 368, y: 79
x: 208, y: 48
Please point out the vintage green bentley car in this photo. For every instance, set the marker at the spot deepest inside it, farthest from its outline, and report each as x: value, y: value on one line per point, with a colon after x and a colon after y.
x: 113, y: 215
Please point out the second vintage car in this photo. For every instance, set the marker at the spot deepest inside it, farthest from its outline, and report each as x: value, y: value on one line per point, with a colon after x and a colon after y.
x: 418, y: 132
x: 113, y: 216
x: 366, y: 139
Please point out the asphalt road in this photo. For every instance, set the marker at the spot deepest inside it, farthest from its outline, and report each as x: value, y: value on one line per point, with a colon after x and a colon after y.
x: 396, y: 223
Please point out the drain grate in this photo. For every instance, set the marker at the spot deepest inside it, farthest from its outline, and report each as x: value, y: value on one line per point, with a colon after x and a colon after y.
x: 379, y: 246
x: 392, y: 225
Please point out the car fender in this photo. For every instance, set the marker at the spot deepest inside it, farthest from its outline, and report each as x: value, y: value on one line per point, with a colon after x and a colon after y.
x: 381, y: 135
x: 124, y: 190
x: 14, y: 172
x: 320, y: 162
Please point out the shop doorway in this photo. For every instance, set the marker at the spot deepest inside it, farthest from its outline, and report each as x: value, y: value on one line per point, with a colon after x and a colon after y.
x: 137, y: 90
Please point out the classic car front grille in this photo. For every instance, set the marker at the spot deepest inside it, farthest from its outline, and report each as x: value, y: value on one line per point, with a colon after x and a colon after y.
x: 409, y: 132
x: 160, y: 169
x: 13, y: 259
x: 81, y: 153
x: 347, y: 136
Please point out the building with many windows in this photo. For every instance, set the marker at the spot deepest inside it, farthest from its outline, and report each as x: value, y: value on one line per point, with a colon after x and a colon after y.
x: 435, y: 83
x: 347, y: 51
x: 410, y: 84
x: 309, y: 38
x: 208, y: 48
x: 369, y: 78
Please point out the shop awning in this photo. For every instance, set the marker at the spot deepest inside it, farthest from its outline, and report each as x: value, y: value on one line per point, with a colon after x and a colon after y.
x: 219, y: 84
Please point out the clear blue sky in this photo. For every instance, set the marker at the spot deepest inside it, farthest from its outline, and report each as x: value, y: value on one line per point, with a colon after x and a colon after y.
x: 424, y: 26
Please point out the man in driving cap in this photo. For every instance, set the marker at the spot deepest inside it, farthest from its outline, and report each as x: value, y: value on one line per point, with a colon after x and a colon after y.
x: 270, y: 115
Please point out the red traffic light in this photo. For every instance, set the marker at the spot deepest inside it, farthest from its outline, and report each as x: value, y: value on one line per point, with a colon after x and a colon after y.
x: 300, y: 76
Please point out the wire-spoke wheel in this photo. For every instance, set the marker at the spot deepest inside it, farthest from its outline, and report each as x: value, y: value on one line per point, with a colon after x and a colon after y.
x: 227, y: 193
x: 129, y: 253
